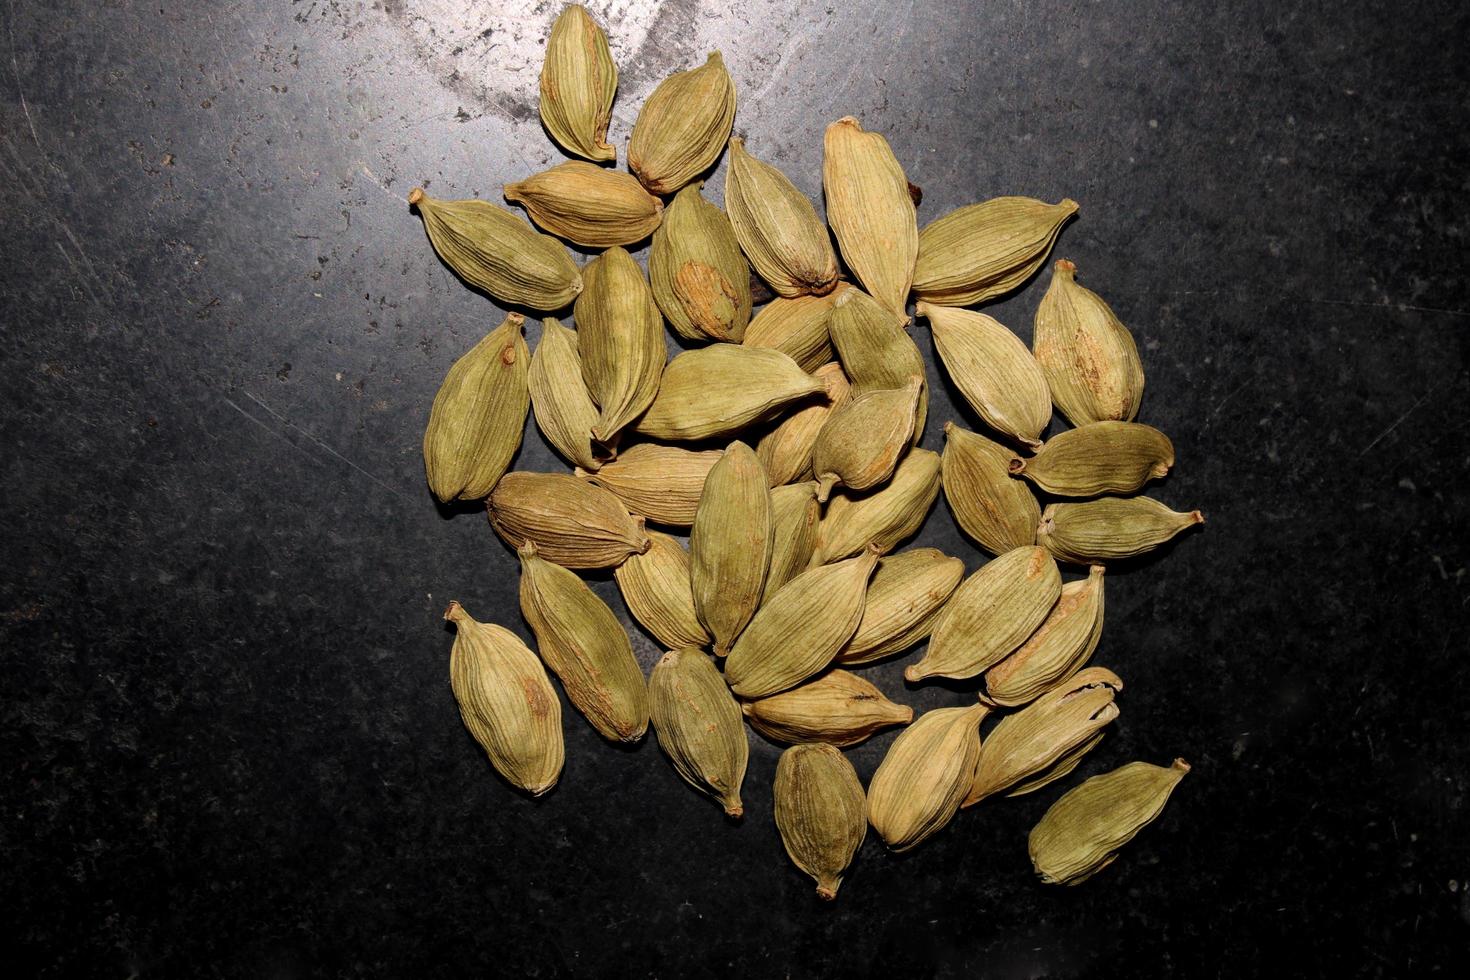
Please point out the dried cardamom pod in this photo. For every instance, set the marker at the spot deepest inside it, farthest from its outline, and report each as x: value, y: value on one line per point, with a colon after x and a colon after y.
x: 795, y: 515
x: 821, y: 813
x: 506, y: 701
x: 655, y: 586
x: 478, y: 415
x: 797, y: 328
x: 661, y: 483
x: 588, y: 205
x: 924, y: 777
x: 1060, y: 645
x: 875, y: 349
x: 578, y: 80
x: 698, y: 726
x: 564, y: 410
x: 870, y: 211
x: 1098, y: 458
x: 998, y: 512
x: 786, y: 450
x: 730, y: 545
x: 570, y: 521
x: 838, y: 707
x: 993, y: 370
x: 862, y: 441
x: 1031, y: 742
x: 885, y: 516
x: 983, y: 251
x: 1110, y: 528
x: 496, y: 250
x: 1082, y: 832
x: 1089, y: 358
x: 720, y: 389
x: 903, y: 600
x: 799, y: 630
x: 682, y: 127
x: 620, y: 335
x: 990, y: 615
x: 778, y: 228
x: 584, y: 644
x: 700, y: 279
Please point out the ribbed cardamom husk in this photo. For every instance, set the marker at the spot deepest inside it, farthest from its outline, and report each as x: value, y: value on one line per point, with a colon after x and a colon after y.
x: 584, y: 644
x: 478, y: 415
x: 698, y: 726
x: 496, y: 250
x: 1030, y: 743
x: 506, y: 701
x: 1089, y: 358
x: 578, y: 81
x: 620, y: 335
x: 720, y: 389
x: 778, y: 228
x: 870, y: 211
x: 886, y: 516
x: 838, y: 707
x: 983, y: 251
x: 993, y: 370
x: 587, y: 204
x: 999, y: 512
x: 570, y: 521
x: 795, y: 515
x: 875, y: 349
x: 565, y: 411
x: 682, y: 127
x: 797, y: 328
x: 661, y: 483
x: 1082, y: 832
x: 1060, y: 645
x: 730, y: 545
x: 821, y: 813
x: 786, y: 450
x: 904, y: 598
x: 864, y: 439
x: 700, y: 279
x: 1098, y: 458
x: 924, y: 777
x: 990, y: 615
x: 655, y: 586
x: 1110, y: 528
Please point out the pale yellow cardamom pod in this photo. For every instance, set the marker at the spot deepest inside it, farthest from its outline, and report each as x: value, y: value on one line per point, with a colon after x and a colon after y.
x: 786, y: 450
x: 795, y: 515
x: 1098, y: 458
x: 1110, y: 528
x: 997, y: 511
x: 661, y: 483
x: 700, y: 279
x: 778, y: 228
x: 655, y: 586
x: 838, y: 707
x: 578, y: 81
x: 1060, y: 645
x: 620, y: 335
x: 885, y: 516
x: 698, y: 726
x: 875, y: 349
x: 565, y: 411
x: 797, y: 327
x: 730, y: 545
x: 570, y: 521
x: 683, y: 126
x: 588, y: 205
x: 993, y: 370
x: 983, y: 251
x: 821, y: 813
x: 904, y: 598
x: 870, y: 211
x: 1090, y: 359
x: 720, y: 389
x: 924, y: 777
x: 864, y: 439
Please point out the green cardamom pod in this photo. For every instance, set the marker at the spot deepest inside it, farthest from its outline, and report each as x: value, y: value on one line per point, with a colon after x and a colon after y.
x: 698, y: 726
x: 904, y: 598
x: 885, y: 516
x: 924, y: 777
x: 621, y: 338
x: 797, y: 327
x: 571, y: 522
x: 682, y: 127
x: 700, y: 279
x: 656, y: 589
x: 1089, y: 358
x: 875, y: 349
x: 786, y: 450
x: 795, y: 515
x: 778, y: 228
x: 730, y: 545
x: 1060, y: 645
x: 578, y: 81
x: 983, y: 251
x: 564, y: 409
x: 838, y: 707
x: 588, y: 205
x: 1098, y: 458
x: 821, y: 813
x: 720, y: 389
x: 1110, y: 528
x: 998, y: 512
x: 861, y: 443
x: 993, y: 370
x: 661, y: 483
x: 870, y: 211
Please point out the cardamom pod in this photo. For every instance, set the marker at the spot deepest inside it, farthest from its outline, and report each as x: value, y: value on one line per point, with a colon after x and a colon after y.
x: 1098, y: 458
x: 1110, y: 528
x: 778, y: 228
x: 656, y: 589
x: 621, y: 338
x: 730, y: 545
x: 797, y: 327
x: 588, y: 205
x: 584, y: 644
x: 506, y: 701
x: 983, y: 251
x: 883, y: 517
x: 1060, y: 645
x: 924, y: 777
x: 1082, y: 832
x: 661, y: 483
x: 682, y: 126
x: 698, y: 726
x: 565, y: 412
x: 838, y: 707
x: 720, y: 389
x: 786, y: 450
x: 870, y: 211
x: 700, y: 279
x: 821, y: 813
x: 875, y: 349
x: 578, y: 81
x: 795, y: 514
x: 990, y: 615
x: 478, y: 415
x: 494, y: 249
x: 571, y: 522
x: 1089, y: 358
x: 998, y: 512
x: 903, y: 600
x: 993, y: 370
x: 863, y: 440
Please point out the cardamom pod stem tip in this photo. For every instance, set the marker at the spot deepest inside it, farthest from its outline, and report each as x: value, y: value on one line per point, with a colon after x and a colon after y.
x: 455, y: 612
x: 734, y: 809
x: 416, y: 195
x: 827, y: 888
x: 1181, y: 765
x: 824, y: 487
x: 1016, y: 466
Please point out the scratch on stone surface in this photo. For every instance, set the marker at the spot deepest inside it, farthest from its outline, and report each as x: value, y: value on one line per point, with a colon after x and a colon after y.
x: 24, y: 106
x: 79, y: 275
x: 1399, y: 421
x: 378, y: 183
x: 1221, y: 403
x: 1390, y: 305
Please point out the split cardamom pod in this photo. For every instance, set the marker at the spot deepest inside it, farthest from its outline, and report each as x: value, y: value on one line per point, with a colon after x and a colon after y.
x: 884, y: 517
x: 620, y: 335
x: 1110, y: 528
x: 578, y: 81
x: 661, y: 483
x: 797, y: 327
x: 564, y: 409
x: 588, y: 205
x: 1098, y: 458
x: 1060, y: 645
x: 720, y: 389
x: 700, y: 279
x: 730, y: 545
x: 838, y: 707
x: 821, y: 813
x: 682, y: 127
x: 795, y: 515
x: 777, y: 227
x: 924, y: 777
x: 863, y: 440
x: 570, y: 521
x: 870, y: 211
x: 875, y: 349
x: 655, y: 586
x: 904, y: 598
x: 786, y: 450
x: 1089, y: 358
x: 998, y: 512
x: 698, y: 726
x: 983, y: 251
x: 993, y: 370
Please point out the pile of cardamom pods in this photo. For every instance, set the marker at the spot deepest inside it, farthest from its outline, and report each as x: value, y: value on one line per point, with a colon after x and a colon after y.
x: 787, y: 445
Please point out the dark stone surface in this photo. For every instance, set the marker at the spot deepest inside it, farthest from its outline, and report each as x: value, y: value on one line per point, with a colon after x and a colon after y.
x: 230, y: 742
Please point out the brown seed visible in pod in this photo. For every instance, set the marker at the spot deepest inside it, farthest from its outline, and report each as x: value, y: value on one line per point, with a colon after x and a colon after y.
x: 1089, y: 358
x: 922, y: 780
x: 838, y: 707
x: 778, y: 228
x: 682, y: 126
x: 875, y: 349
x: 904, y: 598
x: 720, y: 389
x: 578, y: 81
x: 698, y: 726
x: 620, y: 335
x: 786, y: 450
x: 570, y: 521
x: 700, y: 279
x: 1098, y: 458
x: 870, y: 211
x: 661, y: 483
x: 797, y: 327
x: 821, y: 813
x: 1110, y: 528
x: 863, y: 440
x: 885, y: 516
x: 655, y: 586
x: 983, y: 251
x: 993, y: 370
x: 795, y: 515
x: 730, y: 545
x: 588, y: 205
x: 564, y: 409
x: 1059, y: 646
x: 998, y: 512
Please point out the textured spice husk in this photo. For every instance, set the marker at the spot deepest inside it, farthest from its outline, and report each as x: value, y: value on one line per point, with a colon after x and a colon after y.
x: 875, y: 349
x: 797, y: 327
x: 904, y: 598
x: 570, y: 521
x: 1110, y: 528
x: 661, y: 483
x: 1098, y: 458
x: 924, y: 777
x: 655, y: 586
x: 821, y: 812
x: 838, y: 707
x: 1060, y: 645
x: 620, y: 336
x: 578, y: 81
x: 565, y: 411
x: 998, y: 512
x: 870, y: 211
x: 730, y: 545
x: 683, y: 126
x: 723, y: 388
x: 1089, y: 358
x: 494, y: 249
x: 786, y: 450
x: 1082, y: 832
x: 478, y: 415
x: 698, y: 725
x: 990, y: 615
x: 777, y: 227
x: 506, y: 701
x: 864, y: 439
x: 700, y: 279
x: 587, y: 204
x: 795, y: 515
x: 983, y: 251
x: 993, y: 370
x: 884, y: 517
